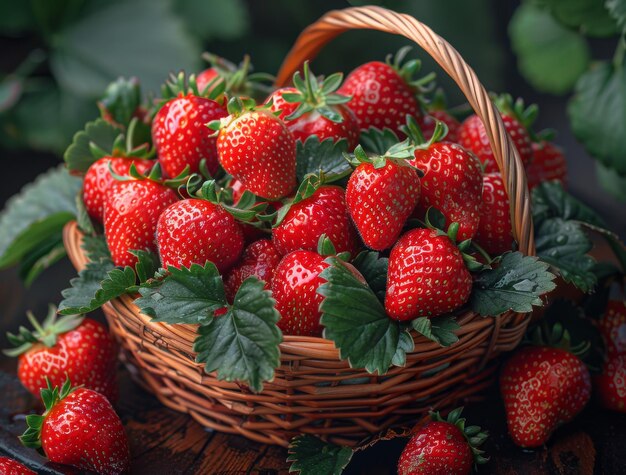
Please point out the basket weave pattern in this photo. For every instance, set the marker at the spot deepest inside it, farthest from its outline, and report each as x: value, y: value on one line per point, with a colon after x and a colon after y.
x: 313, y: 390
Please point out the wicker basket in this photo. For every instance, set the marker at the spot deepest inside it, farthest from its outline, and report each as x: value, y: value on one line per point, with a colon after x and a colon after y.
x: 314, y: 391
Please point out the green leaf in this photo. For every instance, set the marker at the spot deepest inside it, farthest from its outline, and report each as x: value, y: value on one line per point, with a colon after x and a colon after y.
x: 564, y: 245
x: 611, y: 181
x: 590, y: 17
x: 210, y: 19
x: 312, y: 456
x: 540, y: 42
x: 378, y: 141
x: 147, y: 264
x: 96, y: 248
x: 121, y: 99
x: 374, y: 269
x: 516, y: 284
x: 356, y: 321
x: 598, y: 110
x: 36, y: 214
x: 314, y: 156
x: 82, y: 216
x: 439, y: 329
x: 550, y: 200
x: 78, y: 156
x: 113, y: 39
x: 242, y: 344
x: 186, y: 295
x: 617, y: 9
x: 41, y: 258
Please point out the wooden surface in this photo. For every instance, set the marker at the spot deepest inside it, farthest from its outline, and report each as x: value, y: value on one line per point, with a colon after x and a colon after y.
x: 165, y: 442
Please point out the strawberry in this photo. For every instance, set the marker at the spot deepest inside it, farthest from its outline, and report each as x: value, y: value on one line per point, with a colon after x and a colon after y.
x: 610, y: 385
x: 179, y: 130
x: 130, y: 217
x: 13, y: 467
x: 428, y: 122
x: 196, y: 231
x: 314, y: 108
x: 257, y: 149
x: 73, y: 346
x: 79, y: 427
x: 612, y: 326
x: 381, y: 194
x: 324, y: 212
x: 383, y: 94
x: 548, y: 163
x: 473, y: 137
x: 427, y: 275
x: 259, y: 259
x: 98, y: 181
x: 494, y: 229
x: 452, y: 180
x: 206, y: 78
x: 294, y: 287
x: 443, y: 447
x: 542, y: 388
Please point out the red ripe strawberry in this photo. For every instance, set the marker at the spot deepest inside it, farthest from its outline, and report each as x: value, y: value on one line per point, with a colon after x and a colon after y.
x: 13, y: 467
x: 98, y: 181
x: 427, y: 276
x: 205, y: 78
x: 548, y: 163
x: 294, y: 287
x: 612, y: 326
x: 428, y: 122
x: 542, y: 388
x: 473, y: 137
x: 325, y: 212
x: 452, y: 183
x: 73, y: 346
x: 383, y: 94
x: 79, y: 427
x: 610, y: 385
x: 258, y: 149
x: 181, y: 137
x: 130, y: 217
x: 314, y: 108
x: 196, y: 231
x: 381, y: 195
x: 443, y: 447
x: 260, y: 259
x: 494, y: 229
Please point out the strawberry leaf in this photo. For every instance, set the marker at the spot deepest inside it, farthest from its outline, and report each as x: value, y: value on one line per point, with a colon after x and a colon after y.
x: 326, y: 156
x: 550, y: 200
x: 617, y: 9
x: 378, y: 141
x: 36, y: 215
x: 96, y: 248
x: 147, y: 264
x: 242, y: 344
x: 82, y: 216
x: 98, y: 133
x: 374, y: 269
x: 46, y: 254
x: 356, y: 321
x: 564, y: 245
x: 516, y: 284
x: 439, y: 329
x: 589, y: 16
x: 312, y: 456
x: 121, y: 99
x: 186, y: 295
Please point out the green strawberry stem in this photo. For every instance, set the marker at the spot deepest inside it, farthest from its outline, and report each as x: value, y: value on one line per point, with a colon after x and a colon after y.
x: 557, y: 336
x: 474, y: 435
x: 45, y: 333
x: 407, y: 70
x: 247, y: 209
x: 50, y: 396
x: 416, y: 137
x: 181, y: 85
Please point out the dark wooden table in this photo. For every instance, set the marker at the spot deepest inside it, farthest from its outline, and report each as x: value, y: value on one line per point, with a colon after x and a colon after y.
x: 165, y: 442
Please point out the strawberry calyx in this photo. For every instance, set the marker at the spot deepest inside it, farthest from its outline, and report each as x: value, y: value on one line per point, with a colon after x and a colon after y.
x: 474, y: 435
x: 236, y: 107
x: 239, y: 79
x: 155, y: 174
x: 307, y: 188
x: 248, y: 208
x: 180, y: 85
x: 399, y: 154
x: 50, y: 396
x: 407, y: 70
x: 526, y: 116
x: 326, y: 248
x: 415, y: 136
x: 45, y: 333
x: 316, y: 95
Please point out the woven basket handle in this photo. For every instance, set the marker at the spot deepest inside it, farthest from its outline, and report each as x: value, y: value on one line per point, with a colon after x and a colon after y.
x: 333, y: 23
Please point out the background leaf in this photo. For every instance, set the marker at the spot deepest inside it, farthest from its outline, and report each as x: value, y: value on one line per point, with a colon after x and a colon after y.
x: 540, y: 42
x: 209, y: 19
x: 312, y: 456
x: 78, y: 156
x: 590, y: 17
x: 617, y: 9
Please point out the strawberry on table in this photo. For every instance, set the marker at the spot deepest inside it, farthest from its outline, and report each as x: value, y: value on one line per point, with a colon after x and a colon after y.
x: 179, y: 130
x: 71, y: 345
x: 99, y: 180
x: 79, y: 427
x: 548, y: 164
x: 381, y: 195
x: 9, y: 466
x: 494, y: 229
x: 257, y: 148
x: 383, y: 94
x: 315, y: 108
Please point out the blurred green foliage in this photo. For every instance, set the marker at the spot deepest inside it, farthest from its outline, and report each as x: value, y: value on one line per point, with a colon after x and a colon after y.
x: 69, y: 50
